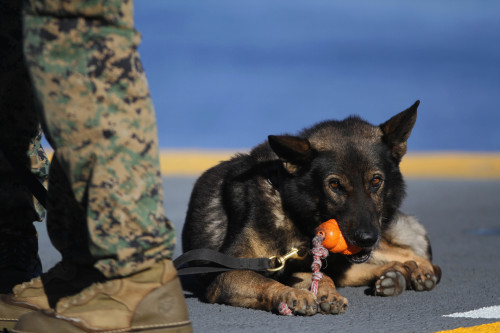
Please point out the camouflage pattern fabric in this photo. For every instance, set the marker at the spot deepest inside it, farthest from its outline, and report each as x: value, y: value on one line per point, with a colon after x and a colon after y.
x: 105, y: 191
x: 20, y: 131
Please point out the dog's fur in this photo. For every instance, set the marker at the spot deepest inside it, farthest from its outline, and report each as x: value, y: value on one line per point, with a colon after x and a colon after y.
x: 264, y: 203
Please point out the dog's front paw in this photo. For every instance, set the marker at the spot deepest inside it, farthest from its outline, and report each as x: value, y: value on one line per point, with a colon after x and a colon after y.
x: 391, y: 283
x: 300, y: 302
x: 332, y: 304
x: 423, y: 277
x: 330, y: 301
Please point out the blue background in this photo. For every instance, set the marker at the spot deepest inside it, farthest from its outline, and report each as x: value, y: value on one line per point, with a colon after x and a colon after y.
x: 226, y: 73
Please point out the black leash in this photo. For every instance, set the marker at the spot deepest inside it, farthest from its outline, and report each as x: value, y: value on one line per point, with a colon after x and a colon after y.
x: 226, y: 263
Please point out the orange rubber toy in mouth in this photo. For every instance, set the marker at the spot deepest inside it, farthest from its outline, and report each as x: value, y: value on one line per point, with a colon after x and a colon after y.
x: 333, y: 240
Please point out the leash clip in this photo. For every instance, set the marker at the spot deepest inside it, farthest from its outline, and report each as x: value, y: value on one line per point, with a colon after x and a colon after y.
x: 293, y: 254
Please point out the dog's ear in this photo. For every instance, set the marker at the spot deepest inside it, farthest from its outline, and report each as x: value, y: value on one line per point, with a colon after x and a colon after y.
x: 397, y: 130
x: 295, y: 151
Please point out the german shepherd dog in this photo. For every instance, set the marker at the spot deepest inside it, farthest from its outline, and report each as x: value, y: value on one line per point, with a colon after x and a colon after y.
x: 266, y: 202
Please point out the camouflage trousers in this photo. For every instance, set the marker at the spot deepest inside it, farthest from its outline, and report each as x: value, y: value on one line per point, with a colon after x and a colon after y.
x: 105, y: 204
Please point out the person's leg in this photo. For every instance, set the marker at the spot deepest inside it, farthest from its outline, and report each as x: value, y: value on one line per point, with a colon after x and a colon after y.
x: 20, y: 147
x: 99, y: 116
x: 84, y: 63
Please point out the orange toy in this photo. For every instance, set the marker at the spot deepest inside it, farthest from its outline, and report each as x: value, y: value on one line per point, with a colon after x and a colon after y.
x: 333, y: 240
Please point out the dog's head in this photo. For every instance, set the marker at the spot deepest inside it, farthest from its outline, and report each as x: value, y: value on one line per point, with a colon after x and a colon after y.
x: 347, y: 170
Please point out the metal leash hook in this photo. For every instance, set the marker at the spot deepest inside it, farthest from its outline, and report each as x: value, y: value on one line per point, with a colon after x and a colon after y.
x: 292, y: 254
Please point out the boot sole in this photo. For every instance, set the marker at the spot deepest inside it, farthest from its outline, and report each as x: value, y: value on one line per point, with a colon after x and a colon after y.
x: 177, y: 329
x: 188, y: 328
x: 7, y: 324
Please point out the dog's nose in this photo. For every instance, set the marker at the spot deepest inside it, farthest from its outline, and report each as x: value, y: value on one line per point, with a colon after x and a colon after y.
x: 366, y: 238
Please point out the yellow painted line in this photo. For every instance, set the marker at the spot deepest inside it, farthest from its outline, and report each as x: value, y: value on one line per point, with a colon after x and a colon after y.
x: 452, y: 165
x: 191, y: 162
x: 444, y: 165
x: 415, y: 165
x: 486, y: 328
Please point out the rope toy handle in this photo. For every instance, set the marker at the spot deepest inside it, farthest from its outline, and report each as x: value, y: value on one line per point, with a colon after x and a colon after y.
x: 319, y: 252
x: 328, y: 238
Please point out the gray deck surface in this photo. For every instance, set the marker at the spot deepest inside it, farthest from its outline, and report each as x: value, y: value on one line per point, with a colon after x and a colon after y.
x: 462, y: 218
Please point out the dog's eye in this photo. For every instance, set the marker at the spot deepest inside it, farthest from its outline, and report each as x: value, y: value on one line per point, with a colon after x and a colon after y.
x: 334, y: 184
x: 376, y: 182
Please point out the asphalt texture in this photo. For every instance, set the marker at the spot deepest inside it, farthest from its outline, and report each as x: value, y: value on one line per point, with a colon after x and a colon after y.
x: 461, y: 217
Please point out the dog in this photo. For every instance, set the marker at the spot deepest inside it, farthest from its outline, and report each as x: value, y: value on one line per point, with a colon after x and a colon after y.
x: 264, y: 203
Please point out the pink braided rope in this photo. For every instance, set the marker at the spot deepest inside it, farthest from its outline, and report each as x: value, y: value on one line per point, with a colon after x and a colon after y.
x: 284, y: 310
x: 319, y: 252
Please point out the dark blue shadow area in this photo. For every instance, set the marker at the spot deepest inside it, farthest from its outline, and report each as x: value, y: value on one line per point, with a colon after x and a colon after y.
x: 225, y: 73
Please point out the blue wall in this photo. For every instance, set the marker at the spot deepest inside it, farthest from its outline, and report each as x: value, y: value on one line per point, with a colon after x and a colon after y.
x: 226, y: 73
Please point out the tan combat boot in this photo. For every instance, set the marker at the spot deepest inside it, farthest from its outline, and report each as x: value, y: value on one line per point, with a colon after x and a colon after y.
x: 25, y: 297
x: 148, y: 301
x: 43, y: 292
